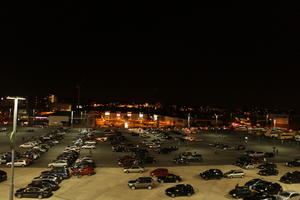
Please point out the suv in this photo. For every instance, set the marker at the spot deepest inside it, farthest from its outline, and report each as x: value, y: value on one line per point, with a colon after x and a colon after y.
x: 141, y: 182
x: 134, y: 169
x: 235, y: 173
x: 212, y: 174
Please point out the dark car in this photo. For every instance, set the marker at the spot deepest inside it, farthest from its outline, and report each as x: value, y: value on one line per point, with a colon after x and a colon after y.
x: 212, y: 174
x: 170, y: 178
x: 268, y: 172
x: 61, y: 172
x: 159, y: 172
x: 180, y: 160
x: 269, y: 154
x: 3, y: 176
x: 180, y: 190
x: 294, y: 163
x: 268, y: 188
x: 44, y: 184
x: 267, y: 166
x: 291, y: 177
x: 240, y: 147
x: 259, y: 196
x: 33, y: 192
x: 240, y: 192
x: 254, y: 182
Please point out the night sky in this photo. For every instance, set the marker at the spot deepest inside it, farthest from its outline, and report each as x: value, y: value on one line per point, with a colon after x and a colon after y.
x: 224, y: 56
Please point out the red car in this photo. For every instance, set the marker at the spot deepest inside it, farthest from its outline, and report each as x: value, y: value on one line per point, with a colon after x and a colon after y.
x: 159, y: 172
x: 84, y: 170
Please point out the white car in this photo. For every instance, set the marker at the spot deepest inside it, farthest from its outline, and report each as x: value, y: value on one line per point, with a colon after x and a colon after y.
x: 2, y: 160
x: 18, y: 163
x: 134, y: 169
x: 90, y: 142
x: 235, y: 173
x: 249, y: 166
x: 288, y: 195
x: 88, y: 146
x: 58, y: 163
x: 257, y: 154
x: 27, y: 145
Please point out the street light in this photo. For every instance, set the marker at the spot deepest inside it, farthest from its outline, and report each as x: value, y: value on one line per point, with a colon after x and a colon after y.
x: 12, y: 144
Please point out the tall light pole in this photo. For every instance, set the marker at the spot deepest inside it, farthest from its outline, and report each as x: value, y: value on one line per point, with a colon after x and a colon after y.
x: 12, y: 144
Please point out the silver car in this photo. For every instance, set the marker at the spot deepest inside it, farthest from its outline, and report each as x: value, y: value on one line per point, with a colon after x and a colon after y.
x: 235, y: 173
x: 134, y: 169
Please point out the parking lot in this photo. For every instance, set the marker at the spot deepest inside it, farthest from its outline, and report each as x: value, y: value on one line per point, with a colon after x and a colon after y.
x: 110, y: 182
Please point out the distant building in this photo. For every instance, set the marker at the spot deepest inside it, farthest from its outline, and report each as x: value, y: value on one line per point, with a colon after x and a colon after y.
x: 280, y: 120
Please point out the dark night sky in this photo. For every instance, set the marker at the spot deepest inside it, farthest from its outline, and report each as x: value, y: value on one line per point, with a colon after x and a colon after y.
x: 229, y: 55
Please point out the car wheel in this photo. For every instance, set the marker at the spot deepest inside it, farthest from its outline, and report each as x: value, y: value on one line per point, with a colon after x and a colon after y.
x: 189, y: 194
x: 173, y: 195
x: 40, y: 196
x: 9, y: 165
x: 127, y: 172
x: 230, y: 177
x: 22, y: 165
x: 149, y: 187
x: 242, y: 176
x: 133, y: 187
x: 141, y: 172
x: 19, y: 196
x: 177, y: 181
x: 162, y: 181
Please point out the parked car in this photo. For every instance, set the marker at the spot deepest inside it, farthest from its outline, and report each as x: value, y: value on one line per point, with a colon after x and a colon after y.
x: 235, y: 173
x: 268, y: 188
x: 59, y: 171
x: 55, y: 179
x: 287, y: 195
x: 3, y: 176
x: 180, y: 190
x: 58, y: 163
x: 33, y: 192
x: 294, y: 163
x: 159, y: 172
x: 180, y: 160
x: 253, y: 182
x: 141, y: 182
x: 267, y: 166
x: 84, y: 170
x: 268, y: 172
x: 212, y: 174
x: 291, y: 177
x: 170, y: 178
x: 88, y: 146
x: 19, y: 163
x: 240, y: 192
x: 44, y: 184
x: 249, y: 166
x: 259, y: 196
x: 134, y: 169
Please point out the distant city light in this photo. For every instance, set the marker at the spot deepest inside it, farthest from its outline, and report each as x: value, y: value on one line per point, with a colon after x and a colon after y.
x: 126, y: 125
x: 155, y: 117
x: 118, y: 114
x: 107, y: 113
x: 141, y: 115
x: 129, y: 114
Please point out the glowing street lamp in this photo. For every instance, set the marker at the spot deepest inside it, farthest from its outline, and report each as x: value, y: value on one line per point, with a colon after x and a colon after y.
x: 12, y: 144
